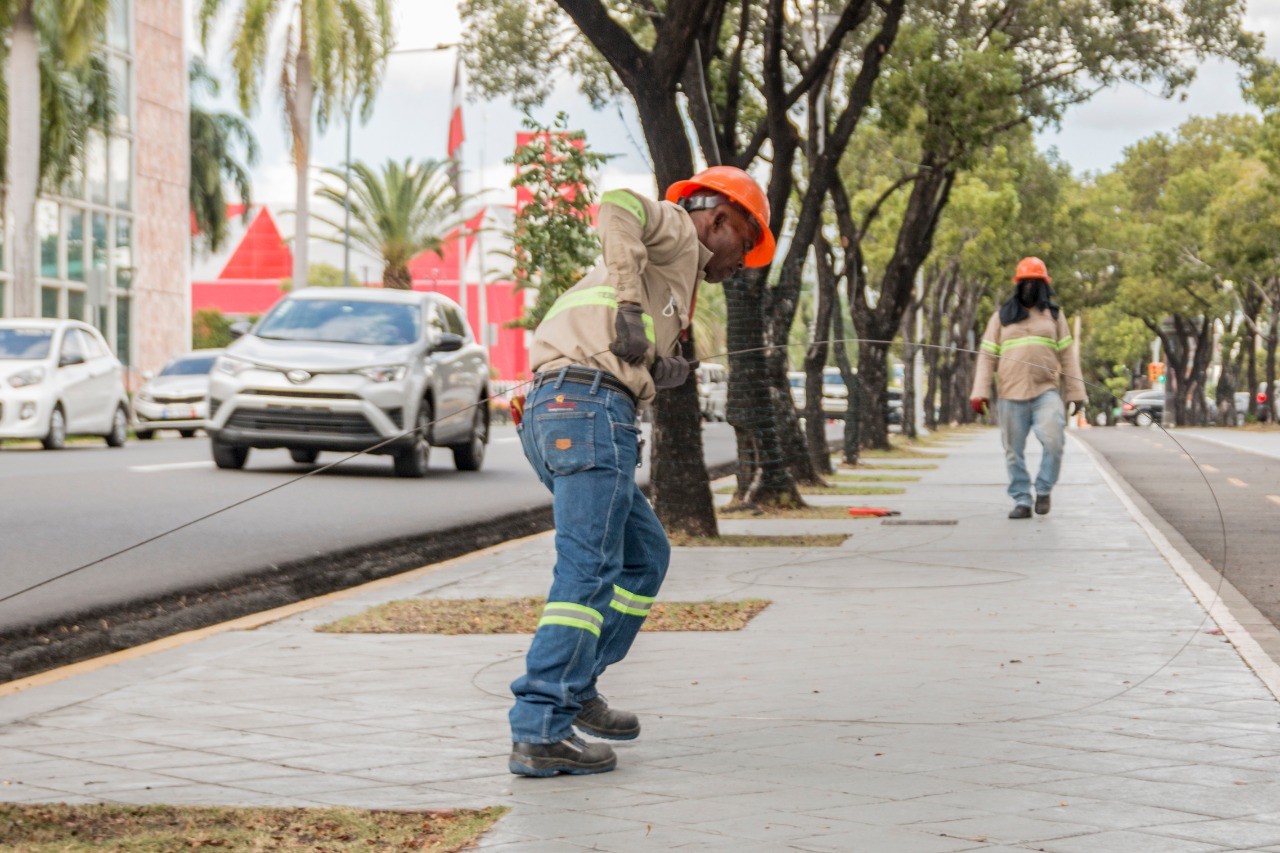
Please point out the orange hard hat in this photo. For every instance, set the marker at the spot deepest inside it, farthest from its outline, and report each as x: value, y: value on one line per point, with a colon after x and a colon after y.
x: 1031, y: 268
x: 743, y: 191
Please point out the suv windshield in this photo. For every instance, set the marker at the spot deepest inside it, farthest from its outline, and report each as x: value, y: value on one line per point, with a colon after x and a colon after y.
x: 340, y: 321
x: 25, y: 343
x: 192, y: 366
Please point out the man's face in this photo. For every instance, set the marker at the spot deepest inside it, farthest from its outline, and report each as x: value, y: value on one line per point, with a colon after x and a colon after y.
x: 729, y: 233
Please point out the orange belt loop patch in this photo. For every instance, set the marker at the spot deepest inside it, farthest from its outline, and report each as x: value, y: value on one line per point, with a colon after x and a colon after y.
x: 517, y: 409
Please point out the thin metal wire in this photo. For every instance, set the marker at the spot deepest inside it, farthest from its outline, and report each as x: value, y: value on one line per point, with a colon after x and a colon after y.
x: 1222, y: 575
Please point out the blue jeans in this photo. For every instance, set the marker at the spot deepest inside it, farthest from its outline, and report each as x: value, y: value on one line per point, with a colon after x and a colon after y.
x: 611, y: 551
x: 1044, y: 415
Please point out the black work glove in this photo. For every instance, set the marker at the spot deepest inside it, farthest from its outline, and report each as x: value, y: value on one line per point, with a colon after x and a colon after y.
x: 672, y: 372
x: 630, y: 343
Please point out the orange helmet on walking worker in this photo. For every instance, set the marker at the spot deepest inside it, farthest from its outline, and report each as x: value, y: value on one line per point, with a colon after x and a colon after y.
x: 1031, y: 267
x: 742, y: 190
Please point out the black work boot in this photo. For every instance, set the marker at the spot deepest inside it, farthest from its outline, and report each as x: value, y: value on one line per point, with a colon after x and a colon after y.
x: 572, y: 755
x: 597, y: 718
x: 1020, y: 511
x: 1042, y: 504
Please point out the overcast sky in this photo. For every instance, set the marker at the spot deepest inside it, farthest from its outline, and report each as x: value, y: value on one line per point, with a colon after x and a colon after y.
x: 412, y: 112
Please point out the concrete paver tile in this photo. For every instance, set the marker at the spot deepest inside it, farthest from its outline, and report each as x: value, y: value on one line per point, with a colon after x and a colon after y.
x: 1235, y: 834
x: 1121, y: 841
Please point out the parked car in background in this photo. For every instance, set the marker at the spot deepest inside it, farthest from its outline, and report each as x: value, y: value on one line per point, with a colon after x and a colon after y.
x: 893, y: 406
x: 835, y: 394
x: 350, y: 368
x: 176, y: 397
x: 1143, y: 408
x: 795, y: 379
x: 59, y: 378
x: 713, y: 391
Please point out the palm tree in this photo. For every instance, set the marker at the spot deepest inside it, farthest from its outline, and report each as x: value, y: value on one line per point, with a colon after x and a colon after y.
x: 407, y: 209
x: 214, y: 139
x: 334, y: 55
x: 46, y: 39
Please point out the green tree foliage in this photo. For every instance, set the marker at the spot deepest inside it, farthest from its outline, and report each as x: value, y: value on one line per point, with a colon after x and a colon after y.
x: 552, y: 240
x: 210, y: 329
x: 320, y: 275
x: 333, y: 56
x: 396, y: 214
x: 216, y: 141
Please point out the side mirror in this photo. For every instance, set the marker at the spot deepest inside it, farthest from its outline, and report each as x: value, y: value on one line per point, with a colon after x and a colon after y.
x: 449, y: 342
x: 240, y: 328
x: 66, y: 360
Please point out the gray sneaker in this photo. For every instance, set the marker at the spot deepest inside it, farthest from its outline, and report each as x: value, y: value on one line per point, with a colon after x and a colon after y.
x: 597, y: 718
x: 572, y: 755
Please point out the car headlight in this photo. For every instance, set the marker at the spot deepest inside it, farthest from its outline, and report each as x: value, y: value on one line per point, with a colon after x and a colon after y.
x: 30, y: 376
x: 231, y: 366
x: 386, y: 373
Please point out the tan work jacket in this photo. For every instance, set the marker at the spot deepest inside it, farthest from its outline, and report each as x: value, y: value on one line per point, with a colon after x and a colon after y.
x: 1030, y: 356
x: 651, y: 255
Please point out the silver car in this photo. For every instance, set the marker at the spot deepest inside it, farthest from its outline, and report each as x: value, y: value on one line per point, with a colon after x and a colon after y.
x: 59, y: 378
x: 347, y: 369
x: 177, y: 397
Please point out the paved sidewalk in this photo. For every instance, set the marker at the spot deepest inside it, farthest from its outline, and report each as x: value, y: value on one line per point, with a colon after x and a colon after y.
x: 989, y: 685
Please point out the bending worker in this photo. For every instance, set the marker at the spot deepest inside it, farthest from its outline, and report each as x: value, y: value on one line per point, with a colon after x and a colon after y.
x: 604, y: 348
x: 1028, y: 344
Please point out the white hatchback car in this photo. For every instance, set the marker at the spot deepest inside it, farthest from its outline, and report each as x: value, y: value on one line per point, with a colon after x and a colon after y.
x: 177, y: 397
x: 59, y: 378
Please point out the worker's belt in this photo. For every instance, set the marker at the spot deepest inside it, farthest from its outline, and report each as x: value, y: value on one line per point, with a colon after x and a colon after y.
x: 585, y: 376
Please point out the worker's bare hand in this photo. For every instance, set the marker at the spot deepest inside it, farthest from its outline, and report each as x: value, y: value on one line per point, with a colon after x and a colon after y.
x: 630, y: 343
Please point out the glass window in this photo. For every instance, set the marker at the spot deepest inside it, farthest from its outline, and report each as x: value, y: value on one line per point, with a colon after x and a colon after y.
x: 124, y: 252
x: 3, y: 301
x: 342, y: 321
x: 99, y: 255
x: 118, y: 69
x: 124, y: 330
x: 73, y: 227
x: 75, y: 304
x: 95, y: 167
x: 93, y: 346
x: 49, y: 301
x: 25, y: 343
x: 193, y: 365
x: 118, y: 24
x: 47, y: 235
x: 121, y: 173
x: 72, y: 347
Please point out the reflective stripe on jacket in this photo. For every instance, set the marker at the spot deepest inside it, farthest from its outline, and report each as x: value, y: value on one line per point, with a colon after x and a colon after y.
x: 649, y: 254
x: 1030, y: 357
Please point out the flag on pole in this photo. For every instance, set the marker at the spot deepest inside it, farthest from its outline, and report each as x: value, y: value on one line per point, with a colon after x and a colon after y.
x: 456, y: 135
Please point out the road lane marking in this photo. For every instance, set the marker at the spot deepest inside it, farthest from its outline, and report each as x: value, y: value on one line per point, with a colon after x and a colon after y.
x: 1237, y: 482
x: 1209, y: 468
x: 169, y: 466
x: 1275, y: 499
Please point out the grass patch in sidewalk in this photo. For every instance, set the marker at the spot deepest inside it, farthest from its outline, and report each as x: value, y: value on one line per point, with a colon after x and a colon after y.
x: 841, y: 489
x: 874, y: 478
x: 45, y: 828
x: 453, y: 616
x: 887, y: 466
x: 749, y: 540
x: 821, y: 512
x: 900, y: 451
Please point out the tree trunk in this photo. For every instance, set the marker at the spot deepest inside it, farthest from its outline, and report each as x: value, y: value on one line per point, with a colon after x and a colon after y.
x: 23, y: 74
x: 1273, y: 337
x: 763, y: 477
x: 300, y: 123
x: 397, y: 277
x: 815, y: 359
x: 909, y: 347
x: 853, y: 416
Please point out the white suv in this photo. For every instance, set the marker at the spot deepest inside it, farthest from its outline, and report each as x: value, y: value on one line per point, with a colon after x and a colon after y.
x: 58, y: 378
x: 352, y: 368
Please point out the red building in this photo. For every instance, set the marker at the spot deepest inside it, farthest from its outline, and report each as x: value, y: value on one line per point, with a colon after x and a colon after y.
x: 246, y: 281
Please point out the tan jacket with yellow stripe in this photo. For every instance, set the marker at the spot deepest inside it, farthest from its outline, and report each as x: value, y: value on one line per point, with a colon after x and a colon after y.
x: 1030, y: 356
x: 651, y: 255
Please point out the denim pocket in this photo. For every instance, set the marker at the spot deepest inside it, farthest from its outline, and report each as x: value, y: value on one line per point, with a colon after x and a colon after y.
x: 568, y: 441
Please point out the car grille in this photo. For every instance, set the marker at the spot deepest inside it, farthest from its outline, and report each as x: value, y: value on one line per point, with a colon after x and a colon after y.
x: 214, y: 404
x: 397, y: 417
x: 309, y: 395
x: 186, y: 398
x: 302, y: 420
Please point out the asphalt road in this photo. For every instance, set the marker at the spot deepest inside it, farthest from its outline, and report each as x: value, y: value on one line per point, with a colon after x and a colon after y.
x: 1187, y: 475
x: 65, y: 509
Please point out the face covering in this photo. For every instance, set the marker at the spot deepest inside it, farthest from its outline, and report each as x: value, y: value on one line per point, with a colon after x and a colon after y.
x: 1029, y: 293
